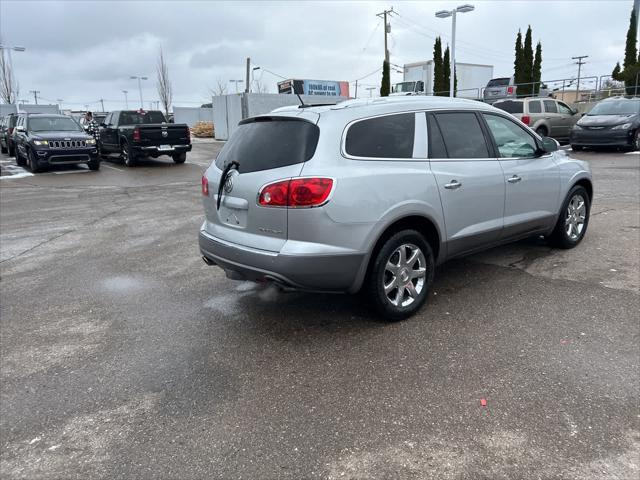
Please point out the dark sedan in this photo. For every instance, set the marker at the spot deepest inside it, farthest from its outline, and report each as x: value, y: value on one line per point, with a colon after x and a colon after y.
x: 43, y: 140
x: 614, y: 122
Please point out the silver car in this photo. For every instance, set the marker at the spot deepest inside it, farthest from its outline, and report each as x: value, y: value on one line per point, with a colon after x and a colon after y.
x: 375, y: 194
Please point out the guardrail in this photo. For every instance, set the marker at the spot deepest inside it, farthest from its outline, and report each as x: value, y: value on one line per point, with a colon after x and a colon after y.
x: 591, y: 88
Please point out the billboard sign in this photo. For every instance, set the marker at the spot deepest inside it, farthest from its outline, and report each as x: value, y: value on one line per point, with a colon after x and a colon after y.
x: 326, y: 88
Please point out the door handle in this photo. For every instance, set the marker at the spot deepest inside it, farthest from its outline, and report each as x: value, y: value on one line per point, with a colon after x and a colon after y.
x: 452, y: 185
x: 514, y: 179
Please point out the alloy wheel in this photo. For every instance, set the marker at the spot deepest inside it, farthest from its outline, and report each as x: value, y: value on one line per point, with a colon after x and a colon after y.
x: 404, y: 275
x: 576, y: 216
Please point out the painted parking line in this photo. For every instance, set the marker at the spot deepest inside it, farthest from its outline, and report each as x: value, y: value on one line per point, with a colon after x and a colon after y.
x: 65, y: 172
x: 102, y: 165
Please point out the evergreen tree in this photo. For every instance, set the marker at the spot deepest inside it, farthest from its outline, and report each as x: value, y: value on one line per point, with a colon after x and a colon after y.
x: 617, y: 73
x: 630, y: 64
x: 447, y: 73
x: 438, y: 72
x: 517, y: 64
x: 537, y: 69
x: 385, y: 87
x: 527, y: 64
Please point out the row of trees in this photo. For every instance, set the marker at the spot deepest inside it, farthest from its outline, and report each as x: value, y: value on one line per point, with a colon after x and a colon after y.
x: 527, y: 66
x: 630, y: 71
x: 442, y: 70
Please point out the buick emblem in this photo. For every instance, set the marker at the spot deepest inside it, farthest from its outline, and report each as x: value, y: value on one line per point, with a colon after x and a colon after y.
x: 228, y: 183
x: 165, y: 133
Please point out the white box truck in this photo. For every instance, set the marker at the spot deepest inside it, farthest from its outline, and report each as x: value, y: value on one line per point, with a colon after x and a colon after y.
x: 418, y: 79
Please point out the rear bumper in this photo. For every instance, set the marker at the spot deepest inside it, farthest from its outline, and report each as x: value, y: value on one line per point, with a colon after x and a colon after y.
x: 156, y: 150
x: 603, y: 138
x: 331, y: 273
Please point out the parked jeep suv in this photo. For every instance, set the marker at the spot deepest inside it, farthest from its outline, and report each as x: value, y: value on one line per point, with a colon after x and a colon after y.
x: 374, y: 194
x: 45, y: 139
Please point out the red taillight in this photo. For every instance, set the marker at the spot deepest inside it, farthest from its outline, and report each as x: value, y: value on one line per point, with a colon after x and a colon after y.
x: 275, y: 194
x: 526, y: 119
x: 298, y: 192
x: 205, y: 186
x: 188, y: 135
x: 509, y: 90
x: 136, y: 135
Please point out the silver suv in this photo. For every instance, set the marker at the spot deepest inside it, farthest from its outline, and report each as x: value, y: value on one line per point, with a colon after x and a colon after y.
x: 546, y: 116
x: 374, y: 194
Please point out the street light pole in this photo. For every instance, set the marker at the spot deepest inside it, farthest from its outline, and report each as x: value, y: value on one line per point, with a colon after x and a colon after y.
x: 139, y: 78
x: 126, y: 101
x: 452, y: 13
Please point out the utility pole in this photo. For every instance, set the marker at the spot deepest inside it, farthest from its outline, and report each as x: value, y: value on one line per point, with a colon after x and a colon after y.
x: 247, y: 84
x: 35, y: 95
x: 387, y: 30
x: 102, y: 103
x: 371, y: 89
x: 579, y: 63
x: 356, y: 95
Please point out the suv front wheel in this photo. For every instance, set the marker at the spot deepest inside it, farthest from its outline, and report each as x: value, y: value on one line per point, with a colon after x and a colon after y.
x: 401, y: 275
x: 573, y: 219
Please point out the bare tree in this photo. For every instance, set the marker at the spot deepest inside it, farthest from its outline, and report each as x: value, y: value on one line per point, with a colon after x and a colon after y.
x: 220, y: 88
x: 259, y: 87
x: 165, y: 92
x: 9, y: 88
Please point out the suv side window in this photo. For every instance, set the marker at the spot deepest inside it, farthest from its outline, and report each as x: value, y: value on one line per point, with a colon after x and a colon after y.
x: 562, y: 108
x: 512, y: 140
x: 535, y: 106
x: 462, y: 135
x: 437, y: 148
x: 107, y: 119
x: 389, y: 136
x: 550, y: 106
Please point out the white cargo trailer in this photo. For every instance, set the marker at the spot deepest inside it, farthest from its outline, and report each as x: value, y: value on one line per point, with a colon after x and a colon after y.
x: 418, y: 79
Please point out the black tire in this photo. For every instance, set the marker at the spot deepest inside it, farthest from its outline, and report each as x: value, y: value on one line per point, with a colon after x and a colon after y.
x: 379, y: 276
x: 94, y: 165
x: 34, y: 165
x: 577, y: 148
x: 636, y: 141
x: 179, y: 157
x: 127, y: 155
x: 21, y: 162
x: 542, y: 131
x: 12, y: 150
x: 560, y: 236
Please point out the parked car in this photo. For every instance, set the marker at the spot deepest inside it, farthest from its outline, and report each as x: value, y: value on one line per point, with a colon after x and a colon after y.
x: 548, y: 117
x: 45, y: 139
x: 499, y: 88
x: 6, y: 134
x: 134, y: 134
x: 374, y: 194
x: 611, y: 122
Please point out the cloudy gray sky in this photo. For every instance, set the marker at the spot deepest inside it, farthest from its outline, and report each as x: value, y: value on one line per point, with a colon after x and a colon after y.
x: 81, y: 51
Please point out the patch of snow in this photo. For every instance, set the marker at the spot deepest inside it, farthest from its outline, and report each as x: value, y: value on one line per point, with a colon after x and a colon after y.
x: 633, y: 153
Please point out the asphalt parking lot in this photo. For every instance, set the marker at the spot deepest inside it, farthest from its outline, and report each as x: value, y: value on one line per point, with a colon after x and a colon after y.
x: 124, y: 356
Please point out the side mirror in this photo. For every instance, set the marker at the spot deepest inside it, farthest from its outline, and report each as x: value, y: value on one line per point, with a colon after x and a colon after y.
x: 103, y: 124
x: 549, y: 145
x: 20, y: 128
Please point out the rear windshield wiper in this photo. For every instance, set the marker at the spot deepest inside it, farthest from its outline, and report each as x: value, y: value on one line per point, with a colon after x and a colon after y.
x: 223, y: 179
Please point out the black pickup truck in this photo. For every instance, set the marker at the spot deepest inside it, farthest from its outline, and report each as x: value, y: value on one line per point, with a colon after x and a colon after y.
x: 135, y: 134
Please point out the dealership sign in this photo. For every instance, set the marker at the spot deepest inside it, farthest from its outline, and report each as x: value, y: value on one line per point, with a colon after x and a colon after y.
x: 327, y: 88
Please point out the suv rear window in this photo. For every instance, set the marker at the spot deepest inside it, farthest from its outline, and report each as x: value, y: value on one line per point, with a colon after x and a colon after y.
x: 535, y: 106
x: 499, y: 82
x: 390, y: 136
x: 263, y: 143
x: 510, y: 106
